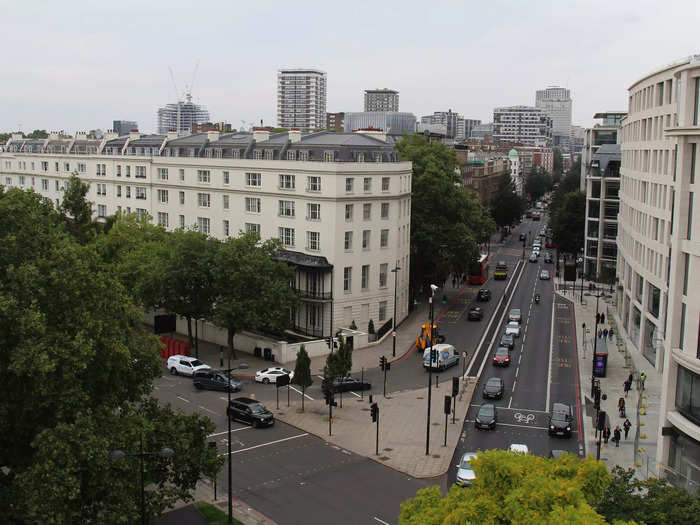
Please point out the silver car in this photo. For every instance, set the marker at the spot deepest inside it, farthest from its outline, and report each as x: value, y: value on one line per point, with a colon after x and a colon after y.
x: 515, y: 315
x: 513, y: 328
x: 465, y: 472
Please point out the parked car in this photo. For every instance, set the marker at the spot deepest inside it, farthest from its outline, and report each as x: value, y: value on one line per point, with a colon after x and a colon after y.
x: 508, y: 341
x: 185, y: 365
x: 513, y: 328
x: 519, y: 448
x: 211, y: 379
x: 484, y: 295
x: 250, y: 411
x: 544, y: 275
x: 493, y: 389
x: 560, y: 420
x: 346, y: 384
x: 515, y: 315
x: 501, y: 357
x: 465, y: 472
x: 486, y: 417
x: 270, y: 375
x: 475, y: 313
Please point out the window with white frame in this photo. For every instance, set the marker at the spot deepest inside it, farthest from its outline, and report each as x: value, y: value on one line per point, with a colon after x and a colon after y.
x: 128, y: 171
x: 313, y: 211
x: 367, y: 211
x: 162, y: 173
x: 382, y: 311
x: 384, y: 239
x: 253, y: 180
x: 286, y: 236
x: 163, y: 219
x: 21, y: 180
x: 348, y: 241
x: 367, y: 184
x: 286, y: 208
x: 203, y: 200
x: 348, y: 212
x: 140, y: 193
x: 303, y: 155
x: 360, y: 156
x: 45, y: 166
x: 378, y: 157
x: 225, y: 199
x: 82, y: 167
x: 227, y: 178
x: 56, y: 167
x: 313, y: 183
x: 100, y: 169
x: 258, y: 154
x: 347, y: 279
x: 383, y: 269
x: 226, y: 228
x: 203, y: 225
x: 328, y: 156
x: 291, y: 155
x: 102, y: 210
x: 269, y: 154
x: 204, y: 176
x: 252, y: 227
x: 140, y: 172
x: 385, y: 210
x: 182, y: 221
x: 182, y: 197
x: 163, y: 196
x: 181, y: 174
x: 128, y: 192
x: 365, y: 239
x: 8, y: 181
x: 101, y: 189
x: 141, y: 213
x: 349, y: 181
x: 365, y: 277
x: 287, y: 182
x: 252, y: 205
x: 313, y: 241
x: 66, y: 167
x: 55, y: 182
x: 119, y: 190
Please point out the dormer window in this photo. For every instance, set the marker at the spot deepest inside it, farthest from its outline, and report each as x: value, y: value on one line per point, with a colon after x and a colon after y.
x: 258, y: 154
x: 378, y: 157
x: 269, y: 154
x: 328, y: 156
x: 291, y: 155
x: 360, y: 157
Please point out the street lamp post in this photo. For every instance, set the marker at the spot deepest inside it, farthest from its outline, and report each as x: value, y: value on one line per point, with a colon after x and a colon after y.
x: 595, y: 336
x: 241, y: 366
x: 433, y: 289
x: 164, y: 452
x: 395, y: 271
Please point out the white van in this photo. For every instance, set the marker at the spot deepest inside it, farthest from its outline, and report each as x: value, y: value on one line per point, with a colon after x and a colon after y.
x: 447, y: 356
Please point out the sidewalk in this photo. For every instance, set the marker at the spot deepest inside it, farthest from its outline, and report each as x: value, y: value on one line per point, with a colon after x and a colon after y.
x: 638, y: 451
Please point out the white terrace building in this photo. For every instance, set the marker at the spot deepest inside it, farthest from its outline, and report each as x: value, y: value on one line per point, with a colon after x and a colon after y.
x: 339, y: 202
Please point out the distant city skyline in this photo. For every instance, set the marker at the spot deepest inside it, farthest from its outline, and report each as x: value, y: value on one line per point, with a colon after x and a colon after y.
x: 86, y: 65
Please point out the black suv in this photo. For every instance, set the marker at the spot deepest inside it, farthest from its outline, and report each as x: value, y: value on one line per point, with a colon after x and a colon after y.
x: 484, y: 295
x: 215, y: 380
x: 250, y: 411
x: 346, y: 384
x: 560, y: 420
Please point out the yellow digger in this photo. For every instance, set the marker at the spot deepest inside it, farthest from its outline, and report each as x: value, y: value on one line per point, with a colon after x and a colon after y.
x: 423, y: 340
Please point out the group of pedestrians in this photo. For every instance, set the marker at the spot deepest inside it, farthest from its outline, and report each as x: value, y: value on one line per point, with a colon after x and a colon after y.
x: 604, y: 333
x: 617, y: 433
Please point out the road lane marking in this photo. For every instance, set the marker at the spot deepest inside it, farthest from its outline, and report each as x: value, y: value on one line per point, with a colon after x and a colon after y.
x: 516, y: 372
x: 226, y: 431
x: 265, y: 444
x: 208, y: 410
x: 510, y: 401
x: 183, y: 399
x: 551, y: 352
x: 354, y: 394
x: 307, y: 396
x: 381, y: 521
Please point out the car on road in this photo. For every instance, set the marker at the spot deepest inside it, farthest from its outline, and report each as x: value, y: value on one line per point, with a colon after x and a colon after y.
x: 484, y: 295
x: 465, y: 472
x: 508, y: 341
x: 544, y: 275
x: 513, y: 328
x: 476, y: 313
x: 446, y: 356
x: 270, y: 375
x: 211, y: 379
x: 486, y: 417
x: 501, y: 357
x: 493, y: 389
x: 250, y: 411
x: 560, y: 420
x: 346, y: 384
x: 519, y: 448
x: 533, y: 257
x: 515, y: 315
x: 548, y: 258
x: 501, y: 272
x: 185, y: 365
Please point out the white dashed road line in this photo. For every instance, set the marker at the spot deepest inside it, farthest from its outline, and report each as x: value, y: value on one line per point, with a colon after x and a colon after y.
x: 183, y: 399
x: 266, y: 444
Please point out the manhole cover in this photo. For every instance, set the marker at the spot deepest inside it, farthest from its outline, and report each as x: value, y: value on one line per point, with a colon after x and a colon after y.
x: 388, y: 449
x: 384, y: 458
x: 436, y: 456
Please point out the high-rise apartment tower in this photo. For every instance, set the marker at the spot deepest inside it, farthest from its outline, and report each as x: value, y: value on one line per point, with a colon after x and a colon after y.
x: 301, y: 99
x: 381, y: 100
x: 556, y: 103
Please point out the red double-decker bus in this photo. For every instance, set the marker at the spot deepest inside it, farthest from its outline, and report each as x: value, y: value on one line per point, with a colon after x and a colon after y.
x: 479, y: 271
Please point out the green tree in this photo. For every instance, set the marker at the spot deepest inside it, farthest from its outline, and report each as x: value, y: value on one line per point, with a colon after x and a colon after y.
x: 558, y: 162
x: 253, y: 290
x: 38, y: 134
x: 567, y: 220
x: 77, y: 210
x: 514, y: 488
x: 653, y: 501
x: 447, y: 221
x: 302, y: 373
x: 345, y: 356
x: 506, y: 205
x: 537, y: 183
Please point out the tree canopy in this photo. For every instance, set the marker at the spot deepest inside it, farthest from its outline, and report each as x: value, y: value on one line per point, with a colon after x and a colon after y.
x: 537, y: 183
x: 302, y: 372
x: 506, y: 205
x: 568, y: 214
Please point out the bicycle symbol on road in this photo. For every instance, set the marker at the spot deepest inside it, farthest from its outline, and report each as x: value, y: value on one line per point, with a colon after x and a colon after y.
x: 524, y: 418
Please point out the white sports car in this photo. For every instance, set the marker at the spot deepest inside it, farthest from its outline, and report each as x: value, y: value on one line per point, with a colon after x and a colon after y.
x: 270, y: 375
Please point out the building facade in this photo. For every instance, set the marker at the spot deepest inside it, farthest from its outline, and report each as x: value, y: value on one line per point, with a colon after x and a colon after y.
x: 381, y: 100
x: 335, y: 121
x: 524, y: 124
x: 340, y: 204
x: 658, y: 263
x: 481, y: 175
x: 124, y: 127
x: 181, y: 116
x: 556, y: 103
x: 391, y: 122
x: 301, y: 99
x: 442, y: 120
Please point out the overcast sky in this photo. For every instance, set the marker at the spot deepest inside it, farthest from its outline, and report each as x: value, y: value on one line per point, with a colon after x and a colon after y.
x: 78, y: 65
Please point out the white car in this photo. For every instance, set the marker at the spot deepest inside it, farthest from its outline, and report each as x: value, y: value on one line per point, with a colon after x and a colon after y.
x: 465, y: 471
x: 544, y: 275
x: 513, y: 328
x: 270, y: 375
x: 185, y: 365
x: 519, y: 448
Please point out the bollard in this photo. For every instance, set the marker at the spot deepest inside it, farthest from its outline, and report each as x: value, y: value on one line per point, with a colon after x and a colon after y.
x: 370, y: 399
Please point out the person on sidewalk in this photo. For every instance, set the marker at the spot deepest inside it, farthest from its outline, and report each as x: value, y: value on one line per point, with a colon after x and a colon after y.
x: 600, y: 333
x: 642, y: 378
x: 630, y: 378
x: 602, y: 318
x: 621, y: 406
x: 628, y: 385
x: 611, y: 332
x: 605, y: 333
x: 606, y: 434
x: 616, y: 436
x: 627, y: 425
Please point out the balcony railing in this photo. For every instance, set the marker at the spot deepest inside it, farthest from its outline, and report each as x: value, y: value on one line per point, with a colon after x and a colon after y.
x: 313, y: 294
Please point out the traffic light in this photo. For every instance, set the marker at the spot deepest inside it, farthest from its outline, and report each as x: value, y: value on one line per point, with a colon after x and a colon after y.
x: 375, y: 412
x: 388, y: 366
x: 327, y: 396
x: 382, y: 362
x: 455, y: 386
x: 448, y: 405
x: 433, y: 355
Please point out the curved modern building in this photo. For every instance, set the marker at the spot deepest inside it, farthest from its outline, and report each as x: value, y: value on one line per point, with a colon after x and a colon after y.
x: 658, y: 267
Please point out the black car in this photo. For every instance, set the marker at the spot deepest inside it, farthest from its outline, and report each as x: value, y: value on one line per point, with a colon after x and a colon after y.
x: 475, y: 313
x: 508, y: 341
x: 215, y: 380
x: 483, y: 295
x: 250, y: 411
x: 346, y: 384
x: 560, y: 420
x: 486, y: 417
x: 548, y: 258
x: 493, y: 389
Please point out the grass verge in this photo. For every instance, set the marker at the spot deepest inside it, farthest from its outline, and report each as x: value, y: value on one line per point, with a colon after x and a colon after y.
x: 214, y: 515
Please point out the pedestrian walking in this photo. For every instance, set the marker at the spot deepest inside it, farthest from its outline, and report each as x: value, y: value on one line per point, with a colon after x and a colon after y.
x: 627, y: 425
x: 616, y: 436
x: 610, y: 333
x: 621, y: 406
x: 602, y: 318
x: 642, y: 379
x: 605, y: 333
x: 600, y: 333
x: 630, y: 378
x: 628, y: 385
x: 606, y: 433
